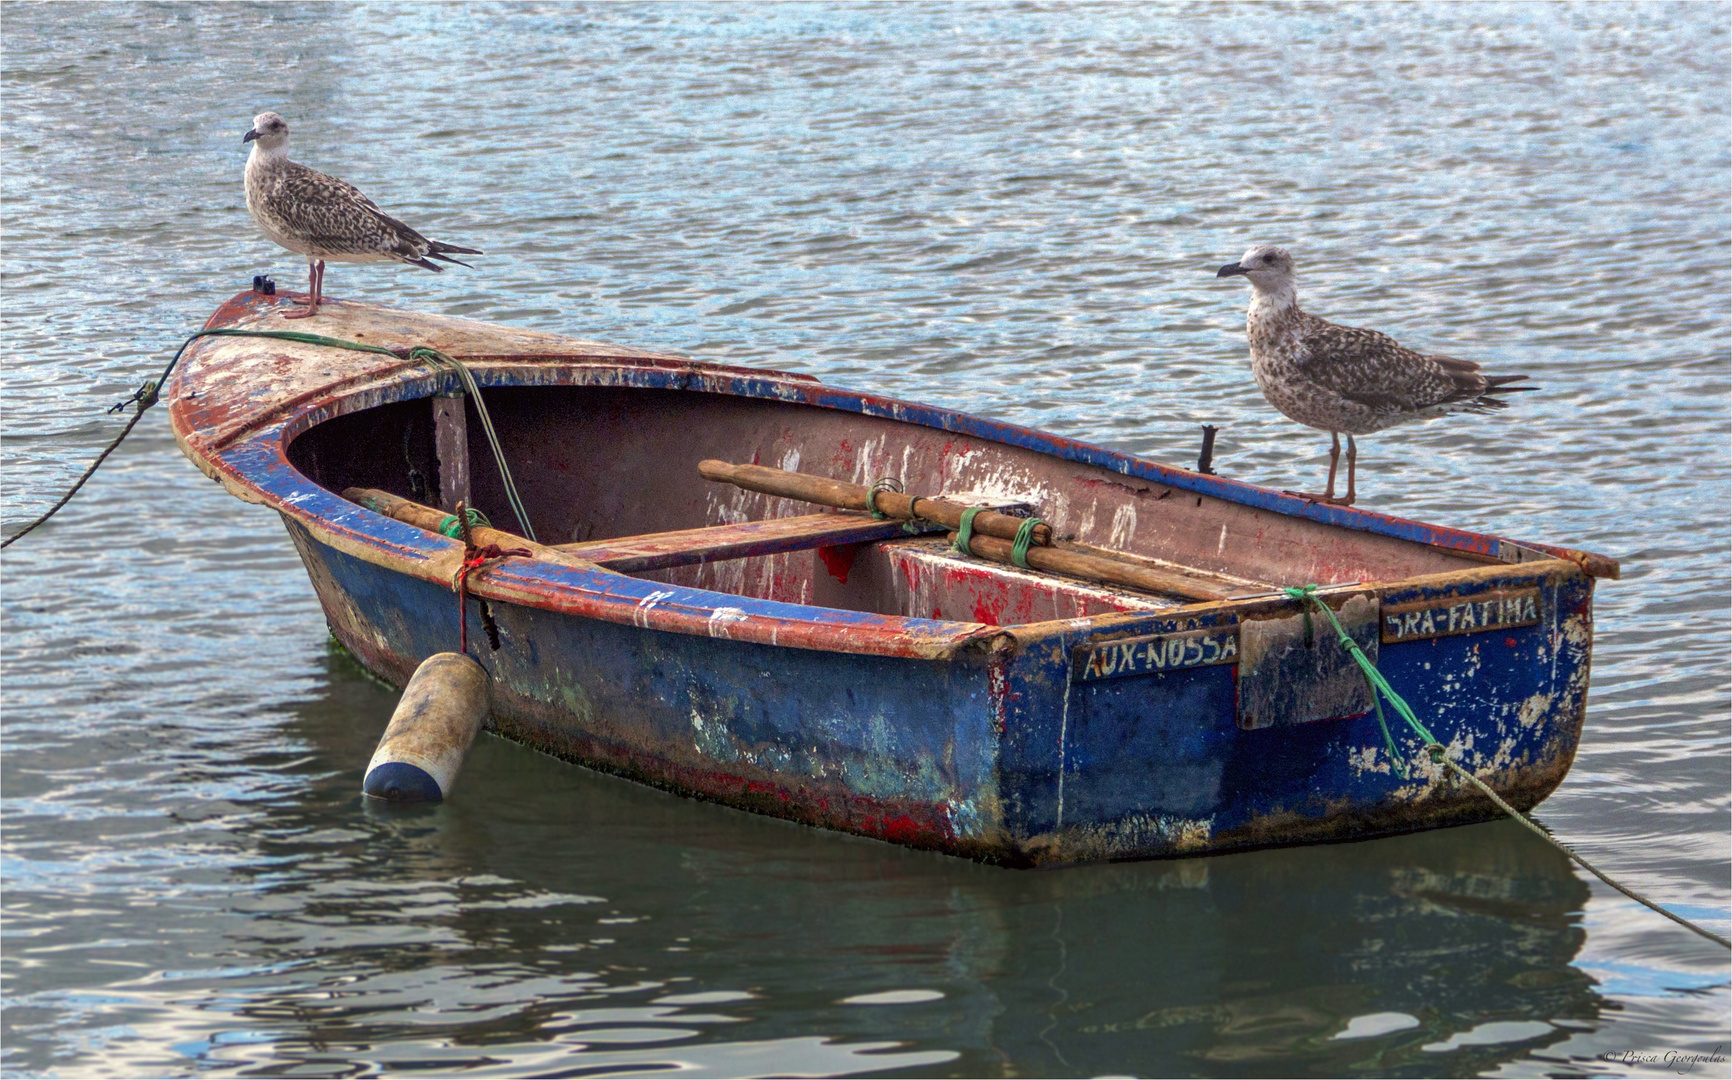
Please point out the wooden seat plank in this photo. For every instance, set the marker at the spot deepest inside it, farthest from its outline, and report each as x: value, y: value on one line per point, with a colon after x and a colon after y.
x: 658, y: 551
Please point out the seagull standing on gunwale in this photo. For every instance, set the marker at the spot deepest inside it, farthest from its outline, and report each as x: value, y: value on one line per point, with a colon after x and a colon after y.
x: 325, y: 218
x: 1341, y: 379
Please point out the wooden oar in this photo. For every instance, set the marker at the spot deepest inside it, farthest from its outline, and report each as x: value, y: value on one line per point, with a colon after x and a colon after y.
x: 826, y: 492
x: 1092, y: 567
x: 426, y: 517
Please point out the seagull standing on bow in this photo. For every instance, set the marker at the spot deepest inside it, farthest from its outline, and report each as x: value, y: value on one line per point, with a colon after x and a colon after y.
x: 325, y: 218
x: 1340, y: 379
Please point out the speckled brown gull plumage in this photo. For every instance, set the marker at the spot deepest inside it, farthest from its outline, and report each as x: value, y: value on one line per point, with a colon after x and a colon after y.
x: 324, y: 218
x: 1341, y: 379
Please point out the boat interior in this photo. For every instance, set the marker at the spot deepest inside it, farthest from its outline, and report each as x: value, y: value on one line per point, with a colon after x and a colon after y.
x: 611, y: 474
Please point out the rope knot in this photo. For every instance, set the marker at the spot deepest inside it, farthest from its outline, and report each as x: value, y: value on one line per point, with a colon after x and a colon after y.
x: 145, y: 395
x: 478, y: 558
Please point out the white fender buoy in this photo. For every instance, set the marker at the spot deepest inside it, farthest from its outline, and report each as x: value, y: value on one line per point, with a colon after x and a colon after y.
x: 422, y: 750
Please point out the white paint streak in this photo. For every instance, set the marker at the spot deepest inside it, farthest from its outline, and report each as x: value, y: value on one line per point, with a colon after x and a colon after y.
x: 640, y: 617
x: 721, y: 617
x: 1124, y: 527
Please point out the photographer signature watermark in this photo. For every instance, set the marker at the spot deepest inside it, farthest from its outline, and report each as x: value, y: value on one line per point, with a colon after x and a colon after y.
x: 1682, y: 1062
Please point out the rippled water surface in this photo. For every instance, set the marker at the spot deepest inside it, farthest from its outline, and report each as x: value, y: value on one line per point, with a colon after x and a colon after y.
x: 1015, y: 211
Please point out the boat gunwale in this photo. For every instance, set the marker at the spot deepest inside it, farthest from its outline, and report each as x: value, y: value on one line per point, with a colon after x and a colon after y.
x: 249, y: 452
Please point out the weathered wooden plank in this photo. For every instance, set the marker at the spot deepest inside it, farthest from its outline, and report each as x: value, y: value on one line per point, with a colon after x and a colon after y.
x: 1090, y: 566
x: 1294, y: 669
x: 658, y: 551
x: 931, y: 579
x: 1443, y: 616
x: 451, y: 445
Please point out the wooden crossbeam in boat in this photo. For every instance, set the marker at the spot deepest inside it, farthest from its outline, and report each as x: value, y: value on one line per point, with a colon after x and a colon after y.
x: 775, y: 536
x: 659, y: 551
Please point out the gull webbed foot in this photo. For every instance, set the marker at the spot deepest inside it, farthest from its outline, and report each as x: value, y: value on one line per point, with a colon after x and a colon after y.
x: 1331, y: 499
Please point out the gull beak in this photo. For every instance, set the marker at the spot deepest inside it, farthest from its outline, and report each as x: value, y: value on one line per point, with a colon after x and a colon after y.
x: 1229, y: 270
x: 249, y: 136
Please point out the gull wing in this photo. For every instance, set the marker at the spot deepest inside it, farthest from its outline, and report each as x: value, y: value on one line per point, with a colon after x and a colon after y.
x: 333, y: 215
x: 1380, y: 373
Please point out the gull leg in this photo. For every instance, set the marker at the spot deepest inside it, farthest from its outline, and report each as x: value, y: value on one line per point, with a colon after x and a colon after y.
x: 315, y: 289
x: 1328, y: 495
x: 1352, y: 457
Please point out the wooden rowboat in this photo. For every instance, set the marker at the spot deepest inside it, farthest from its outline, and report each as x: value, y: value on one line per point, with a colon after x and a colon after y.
x: 1142, y: 689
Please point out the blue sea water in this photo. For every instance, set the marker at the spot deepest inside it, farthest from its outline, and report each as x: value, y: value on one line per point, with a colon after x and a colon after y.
x: 1012, y: 210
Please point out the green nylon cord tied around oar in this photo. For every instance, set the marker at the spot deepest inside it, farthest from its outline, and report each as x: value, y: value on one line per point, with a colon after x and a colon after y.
x: 147, y: 394
x: 1439, y: 755
x: 454, y: 529
x: 888, y: 483
x: 1019, y: 546
x: 965, y: 530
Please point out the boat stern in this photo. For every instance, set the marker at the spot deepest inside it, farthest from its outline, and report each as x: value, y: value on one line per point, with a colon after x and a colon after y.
x: 1247, y: 724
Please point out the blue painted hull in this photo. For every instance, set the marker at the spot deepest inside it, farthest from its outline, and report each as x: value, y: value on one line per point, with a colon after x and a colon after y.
x: 1021, y: 765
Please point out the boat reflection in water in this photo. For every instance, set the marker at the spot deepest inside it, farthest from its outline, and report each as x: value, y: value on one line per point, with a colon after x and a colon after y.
x: 552, y: 920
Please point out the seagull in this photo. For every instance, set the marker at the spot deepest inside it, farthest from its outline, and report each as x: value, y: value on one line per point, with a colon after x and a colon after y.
x: 1341, y: 379
x: 323, y: 217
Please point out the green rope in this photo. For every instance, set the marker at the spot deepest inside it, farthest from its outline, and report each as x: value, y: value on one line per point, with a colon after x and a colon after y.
x: 147, y: 394
x: 454, y: 529
x: 965, y: 530
x: 429, y: 355
x: 1019, y: 546
x: 1380, y: 687
x: 1439, y: 755
x: 886, y: 484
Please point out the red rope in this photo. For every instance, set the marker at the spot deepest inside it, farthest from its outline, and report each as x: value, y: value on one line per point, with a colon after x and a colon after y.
x: 475, y: 558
